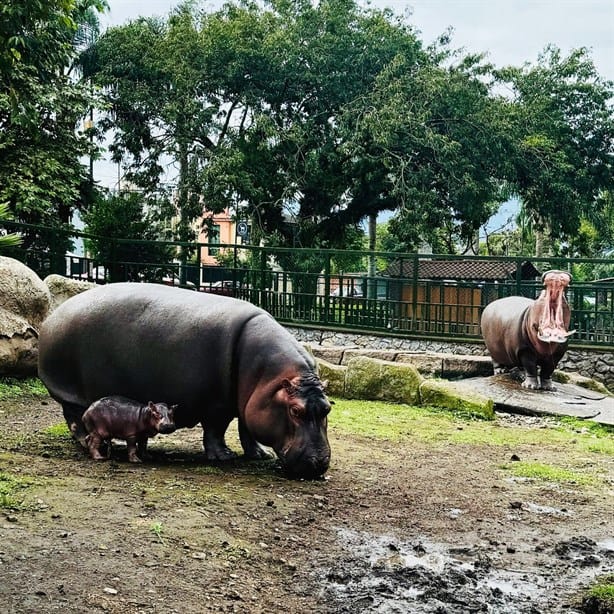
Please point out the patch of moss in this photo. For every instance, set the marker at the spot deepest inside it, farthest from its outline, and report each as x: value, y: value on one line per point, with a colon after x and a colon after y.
x: 10, y: 485
x: 371, y: 378
x: 549, y: 473
x: 456, y: 397
x: 13, y: 388
x: 599, y: 597
x: 57, y: 430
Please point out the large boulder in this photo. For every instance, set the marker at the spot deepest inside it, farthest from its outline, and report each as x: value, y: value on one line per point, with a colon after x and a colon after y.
x: 18, y: 345
x: 25, y: 302
x: 457, y: 397
x: 63, y: 288
x: 374, y: 379
x: 22, y: 292
x: 334, y: 375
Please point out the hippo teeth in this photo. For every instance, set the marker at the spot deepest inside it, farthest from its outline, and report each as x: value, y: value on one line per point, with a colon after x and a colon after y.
x: 558, y: 337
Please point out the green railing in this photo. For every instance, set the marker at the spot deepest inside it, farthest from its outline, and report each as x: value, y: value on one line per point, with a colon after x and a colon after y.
x: 310, y: 287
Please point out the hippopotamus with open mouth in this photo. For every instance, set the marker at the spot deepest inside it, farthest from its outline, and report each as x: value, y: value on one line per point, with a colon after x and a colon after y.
x: 530, y: 334
x: 215, y: 357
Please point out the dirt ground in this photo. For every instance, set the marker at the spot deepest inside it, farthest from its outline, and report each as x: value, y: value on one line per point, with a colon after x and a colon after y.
x: 395, y: 526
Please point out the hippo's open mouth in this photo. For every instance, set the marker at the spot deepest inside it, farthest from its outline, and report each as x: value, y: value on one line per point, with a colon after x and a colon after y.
x: 551, y: 327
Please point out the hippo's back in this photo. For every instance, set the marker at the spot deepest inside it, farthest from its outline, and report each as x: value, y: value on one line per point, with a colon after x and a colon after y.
x: 142, y: 341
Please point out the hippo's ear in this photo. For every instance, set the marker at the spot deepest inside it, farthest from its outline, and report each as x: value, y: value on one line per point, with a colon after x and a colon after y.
x: 288, y: 386
x: 151, y: 407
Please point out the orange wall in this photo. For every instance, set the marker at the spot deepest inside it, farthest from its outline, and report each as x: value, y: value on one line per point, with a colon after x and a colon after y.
x: 227, y: 234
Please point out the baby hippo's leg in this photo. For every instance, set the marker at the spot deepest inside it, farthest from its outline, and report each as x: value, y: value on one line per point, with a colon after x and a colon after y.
x: 141, y: 444
x: 94, y: 441
x: 132, y: 456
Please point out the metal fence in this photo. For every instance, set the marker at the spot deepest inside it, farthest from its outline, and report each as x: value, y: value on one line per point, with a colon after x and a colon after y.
x: 398, y: 294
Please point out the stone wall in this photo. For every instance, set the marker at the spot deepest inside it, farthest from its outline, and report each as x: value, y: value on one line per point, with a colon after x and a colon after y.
x: 596, y: 364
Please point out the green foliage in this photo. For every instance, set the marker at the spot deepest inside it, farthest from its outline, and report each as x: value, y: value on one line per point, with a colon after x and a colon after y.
x: 562, y: 127
x: 157, y: 528
x: 308, y: 118
x: 41, y: 107
x: 439, y: 135
x: 11, y: 388
x: 7, y: 240
x: 135, y: 223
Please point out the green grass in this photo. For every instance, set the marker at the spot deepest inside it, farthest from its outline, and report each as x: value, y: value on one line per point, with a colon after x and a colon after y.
x: 10, y: 485
x: 13, y: 388
x: 59, y: 431
x: 603, y: 592
x: 157, y: 529
x: 549, y: 473
x: 394, y: 422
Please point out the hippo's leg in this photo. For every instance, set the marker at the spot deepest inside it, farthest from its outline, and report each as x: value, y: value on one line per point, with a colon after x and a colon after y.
x: 213, y: 438
x: 131, y: 444
x: 252, y: 449
x: 527, y: 360
x: 499, y: 368
x: 73, y: 415
x: 546, y: 378
x: 94, y: 441
x: 546, y: 384
x: 141, y: 445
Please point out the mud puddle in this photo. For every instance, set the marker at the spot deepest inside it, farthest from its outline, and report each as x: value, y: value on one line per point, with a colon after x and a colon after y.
x: 385, y: 575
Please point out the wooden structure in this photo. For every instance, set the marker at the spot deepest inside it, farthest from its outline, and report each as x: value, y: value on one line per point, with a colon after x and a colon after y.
x: 447, y: 296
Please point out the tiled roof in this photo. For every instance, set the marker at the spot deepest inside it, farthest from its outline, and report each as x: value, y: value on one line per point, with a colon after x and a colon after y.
x: 461, y: 269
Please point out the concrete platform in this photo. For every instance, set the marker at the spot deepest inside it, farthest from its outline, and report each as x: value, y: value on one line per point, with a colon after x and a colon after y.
x: 567, y: 400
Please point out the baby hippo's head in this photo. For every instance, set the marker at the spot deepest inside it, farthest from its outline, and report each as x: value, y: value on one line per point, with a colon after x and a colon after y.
x: 162, y: 417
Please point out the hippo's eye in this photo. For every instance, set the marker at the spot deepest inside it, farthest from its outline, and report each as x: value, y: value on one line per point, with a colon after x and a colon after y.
x: 296, y: 411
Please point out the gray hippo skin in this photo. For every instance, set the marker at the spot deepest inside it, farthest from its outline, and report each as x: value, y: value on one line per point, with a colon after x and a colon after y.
x: 121, y: 418
x: 530, y: 334
x: 215, y: 357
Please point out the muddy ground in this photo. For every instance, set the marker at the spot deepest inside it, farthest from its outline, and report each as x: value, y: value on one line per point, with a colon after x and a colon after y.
x: 397, y: 525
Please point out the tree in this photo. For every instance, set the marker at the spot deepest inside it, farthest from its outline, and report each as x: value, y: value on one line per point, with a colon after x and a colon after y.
x: 165, y: 104
x: 40, y: 106
x: 563, y: 140
x: 289, y: 163
x: 132, y: 218
x: 439, y: 136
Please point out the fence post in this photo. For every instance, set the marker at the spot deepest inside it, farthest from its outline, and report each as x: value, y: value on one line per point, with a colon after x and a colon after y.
x: 58, y: 254
x: 263, y: 294
x: 327, y: 288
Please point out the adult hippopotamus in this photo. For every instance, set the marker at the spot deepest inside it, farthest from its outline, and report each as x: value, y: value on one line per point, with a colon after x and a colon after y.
x: 530, y: 334
x: 215, y: 357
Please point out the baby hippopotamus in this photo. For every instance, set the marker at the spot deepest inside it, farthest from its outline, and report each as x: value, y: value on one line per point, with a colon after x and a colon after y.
x: 121, y: 418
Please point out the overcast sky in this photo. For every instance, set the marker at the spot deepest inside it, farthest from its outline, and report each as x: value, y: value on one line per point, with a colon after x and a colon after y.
x: 510, y: 31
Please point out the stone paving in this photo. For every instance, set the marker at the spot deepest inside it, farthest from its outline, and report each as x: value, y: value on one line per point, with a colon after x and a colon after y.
x: 567, y: 400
